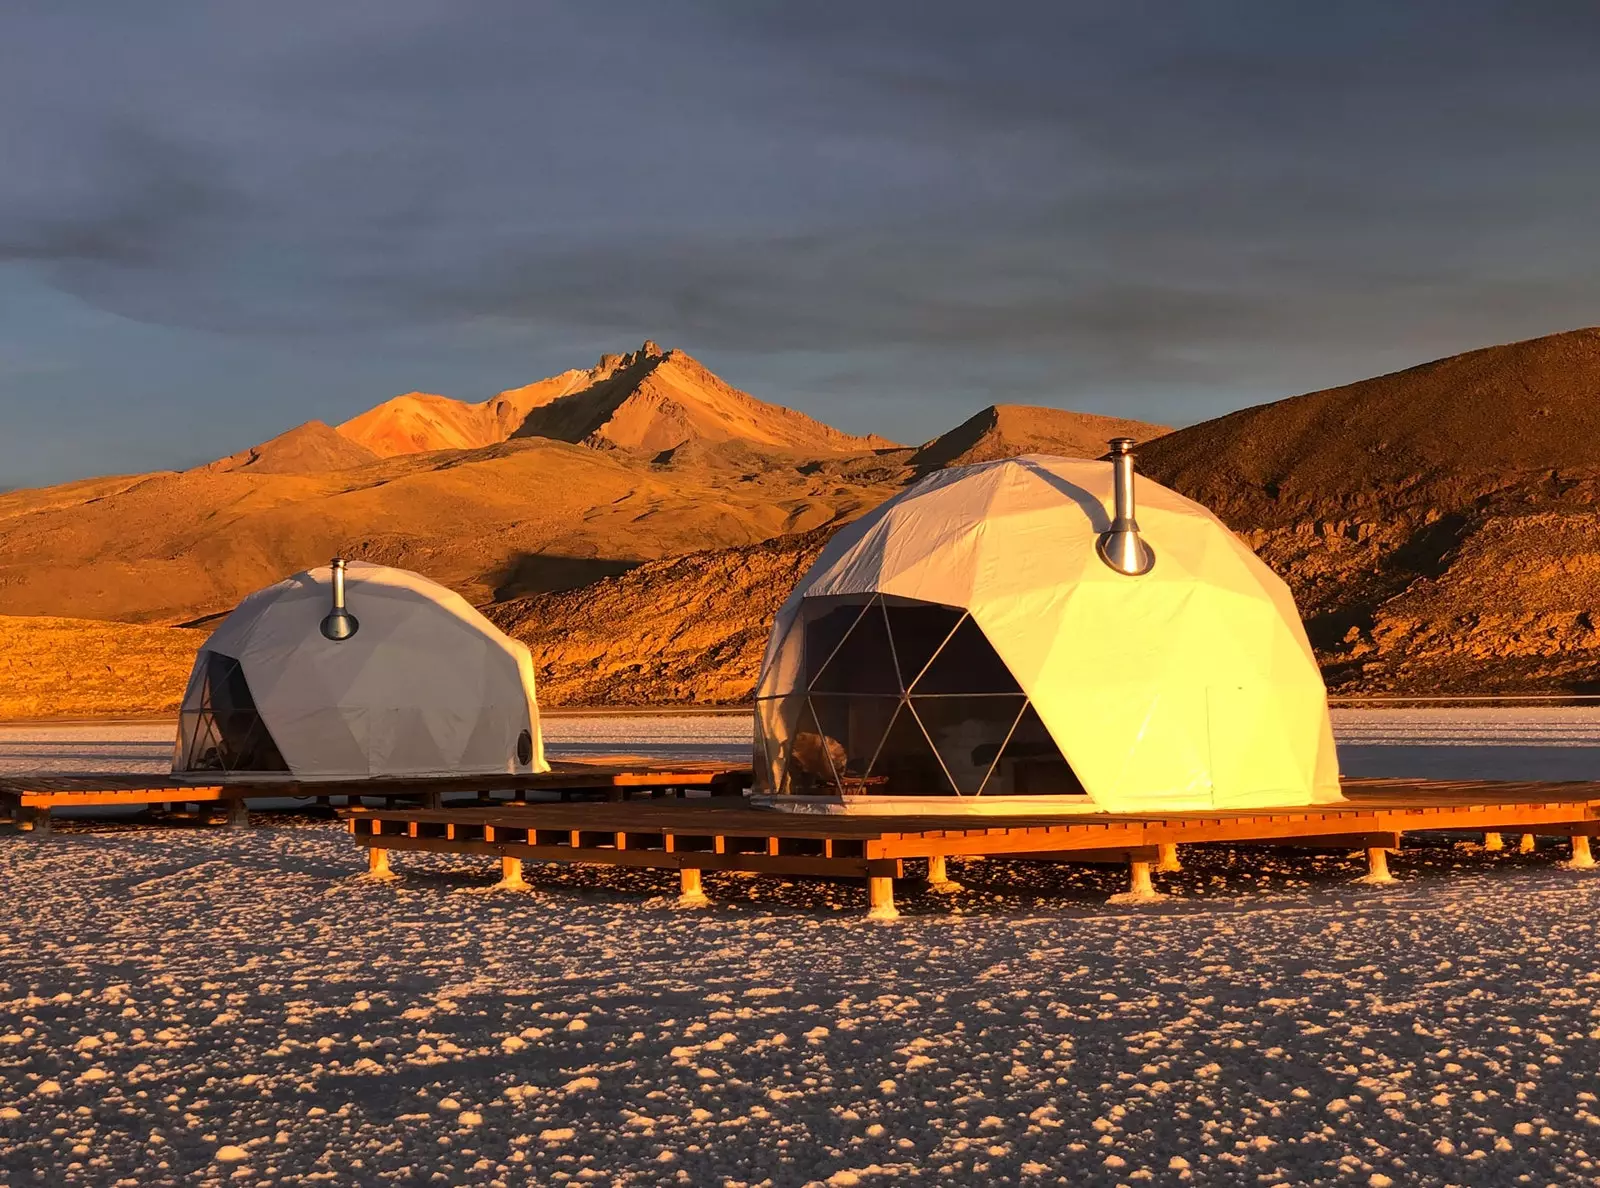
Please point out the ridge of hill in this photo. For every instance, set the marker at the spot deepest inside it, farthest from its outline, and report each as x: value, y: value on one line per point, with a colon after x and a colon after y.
x: 1008, y: 430
x: 311, y: 448
x: 650, y: 400
x: 1442, y: 433
x: 420, y: 422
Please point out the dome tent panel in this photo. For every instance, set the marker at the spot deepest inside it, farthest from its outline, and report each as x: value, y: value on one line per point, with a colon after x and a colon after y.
x: 406, y: 736
x: 424, y: 686
x: 332, y: 741
x: 1120, y: 674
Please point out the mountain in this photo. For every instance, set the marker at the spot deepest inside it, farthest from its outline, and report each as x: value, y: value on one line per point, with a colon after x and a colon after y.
x: 652, y: 400
x: 1007, y: 430
x: 312, y: 448
x: 1436, y: 524
x: 638, y: 522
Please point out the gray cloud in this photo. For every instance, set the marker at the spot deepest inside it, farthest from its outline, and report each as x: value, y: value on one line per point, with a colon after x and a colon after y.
x: 1174, y: 205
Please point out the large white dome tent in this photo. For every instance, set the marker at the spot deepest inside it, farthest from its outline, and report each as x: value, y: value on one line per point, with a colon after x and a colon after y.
x: 993, y: 641
x: 355, y: 671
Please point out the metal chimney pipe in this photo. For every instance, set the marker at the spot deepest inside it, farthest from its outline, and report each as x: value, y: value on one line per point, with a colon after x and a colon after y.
x: 1120, y: 547
x: 339, y: 624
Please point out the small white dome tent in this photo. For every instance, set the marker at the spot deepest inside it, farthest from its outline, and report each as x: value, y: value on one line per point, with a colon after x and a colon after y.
x: 991, y: 641
x: 409, y: 682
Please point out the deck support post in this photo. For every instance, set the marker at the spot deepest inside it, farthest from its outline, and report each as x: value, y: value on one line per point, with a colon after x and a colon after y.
x: 1139, y: 883
x: 511, y: 875
x: 939, y: 880
x: 237, y: 815
x: 432, y: 800
x: 35, y: 821
x: 1493, y: 841
x: 1377, y: 866
x: 1140, y: 887
x: 1527, y: 845
x: 1167, y: 860
x: 691, y: 892
x: 1582, y: 859
x: 378, y: 864
x: 880, y: 899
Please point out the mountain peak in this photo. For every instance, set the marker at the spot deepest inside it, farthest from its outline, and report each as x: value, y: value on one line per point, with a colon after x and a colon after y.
x: 649, y: 399
x: 311, y: 448
x: 1006, y: 430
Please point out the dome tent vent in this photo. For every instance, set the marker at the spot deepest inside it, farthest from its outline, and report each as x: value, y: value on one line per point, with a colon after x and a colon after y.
x: 339, y: 624
x: 1121, y: 547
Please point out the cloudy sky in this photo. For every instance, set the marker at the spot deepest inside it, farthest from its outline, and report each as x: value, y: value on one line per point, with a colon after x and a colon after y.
x: 220, y: 219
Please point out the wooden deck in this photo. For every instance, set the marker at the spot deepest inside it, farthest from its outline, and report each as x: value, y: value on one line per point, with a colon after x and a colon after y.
x: 725, y: 833
x: 27, y: 800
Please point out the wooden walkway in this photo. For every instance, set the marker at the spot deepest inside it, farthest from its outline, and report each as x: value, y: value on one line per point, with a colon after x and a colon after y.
x: 725, y: 833
x: 27, y: 800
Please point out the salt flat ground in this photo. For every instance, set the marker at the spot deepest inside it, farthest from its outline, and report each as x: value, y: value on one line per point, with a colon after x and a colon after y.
x: 182, y: 1006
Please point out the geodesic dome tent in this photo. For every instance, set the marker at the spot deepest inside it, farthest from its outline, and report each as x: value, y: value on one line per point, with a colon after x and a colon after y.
x: 964, y: 648
x: 424, y: 686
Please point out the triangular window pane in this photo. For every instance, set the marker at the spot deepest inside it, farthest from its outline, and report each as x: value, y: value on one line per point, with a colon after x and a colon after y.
x: 906, y: 765
x: 967, y: 664
x: 229, y: 690
x: 204, y: 752
x: 969, y: 733
x: 858, y: 724
x: 918, y: 629
x: 1031, y: 764
x: 864, y: 662
x: 825, y: 629
x: 813, y: 758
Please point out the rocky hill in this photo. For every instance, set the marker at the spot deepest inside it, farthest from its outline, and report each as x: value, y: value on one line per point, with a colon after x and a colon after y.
x: 1435, y: 524
x: 687, y: 629
x: 80, y: 668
